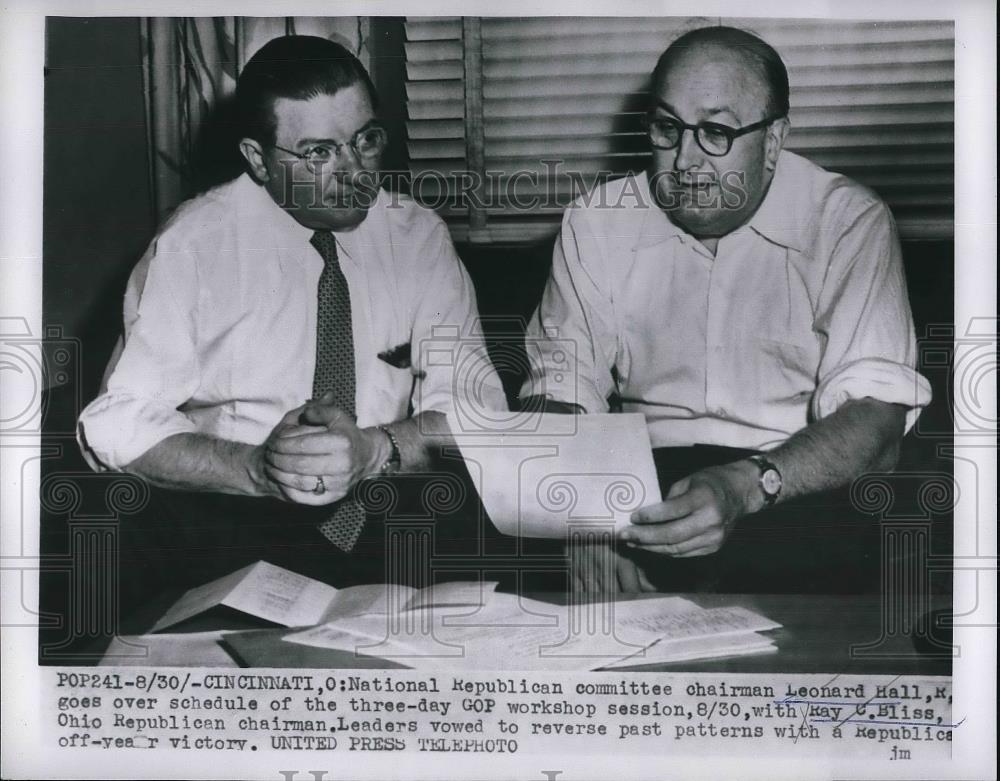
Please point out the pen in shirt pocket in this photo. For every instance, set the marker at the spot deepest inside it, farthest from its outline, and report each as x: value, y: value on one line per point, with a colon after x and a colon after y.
x: 400, y: 357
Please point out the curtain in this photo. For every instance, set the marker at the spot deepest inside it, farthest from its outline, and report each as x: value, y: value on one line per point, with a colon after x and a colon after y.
x: 561, y: 100
x: 190, y: 65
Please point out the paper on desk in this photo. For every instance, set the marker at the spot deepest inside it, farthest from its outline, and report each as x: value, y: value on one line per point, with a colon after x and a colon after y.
x: 695, y: 622
x: 664, y: 651
x: 191, y: 649
x: 555, y: 470
x: 516, y: 633
x: 387, y: 598
x: 435, y: 646
x: 260, y: 589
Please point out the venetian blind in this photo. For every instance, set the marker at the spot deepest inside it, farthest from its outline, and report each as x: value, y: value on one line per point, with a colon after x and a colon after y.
x: 560, y: 101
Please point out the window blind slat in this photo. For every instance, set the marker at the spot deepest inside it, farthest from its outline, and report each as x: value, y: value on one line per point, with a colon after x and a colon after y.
x: 433, y: 51
x: 871, y: 99
x: 854, y: 119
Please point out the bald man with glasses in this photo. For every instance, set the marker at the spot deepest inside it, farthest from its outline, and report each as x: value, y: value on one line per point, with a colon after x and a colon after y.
x: 753, y: 307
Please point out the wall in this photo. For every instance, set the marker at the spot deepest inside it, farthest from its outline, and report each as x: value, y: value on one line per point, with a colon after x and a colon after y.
x: 97, y: 215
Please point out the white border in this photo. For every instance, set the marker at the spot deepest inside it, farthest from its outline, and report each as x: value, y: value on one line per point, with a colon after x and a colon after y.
x: 21, y: 117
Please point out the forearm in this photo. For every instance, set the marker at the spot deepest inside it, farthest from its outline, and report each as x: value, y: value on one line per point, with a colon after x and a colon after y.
x: 198, y: 462
x: 860, y: 436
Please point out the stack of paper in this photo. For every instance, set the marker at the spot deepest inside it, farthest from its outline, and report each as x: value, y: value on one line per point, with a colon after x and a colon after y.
x: 467, y: 626
x: 512, y: 633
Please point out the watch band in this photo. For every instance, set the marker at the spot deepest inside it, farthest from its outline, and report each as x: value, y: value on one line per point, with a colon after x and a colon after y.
x: 770, y: 479
x: 395, y: 460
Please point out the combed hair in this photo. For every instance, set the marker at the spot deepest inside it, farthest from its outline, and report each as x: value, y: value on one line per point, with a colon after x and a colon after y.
x: 761, y: 55
x: 297, y: 67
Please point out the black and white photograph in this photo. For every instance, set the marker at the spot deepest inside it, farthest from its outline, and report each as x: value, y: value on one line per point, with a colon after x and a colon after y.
x: 397, y: 392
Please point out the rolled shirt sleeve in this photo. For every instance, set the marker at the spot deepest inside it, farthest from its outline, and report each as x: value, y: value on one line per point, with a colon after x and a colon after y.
x: 571, y: 340
x: 157, y: 367
x: 864, y: 319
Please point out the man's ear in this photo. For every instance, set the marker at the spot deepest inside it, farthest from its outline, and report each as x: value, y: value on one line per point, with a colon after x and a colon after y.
x: 776, y: 134
x: 253, y: 153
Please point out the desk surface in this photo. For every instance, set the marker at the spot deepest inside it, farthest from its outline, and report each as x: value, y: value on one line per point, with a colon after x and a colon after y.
x: 819, y: 634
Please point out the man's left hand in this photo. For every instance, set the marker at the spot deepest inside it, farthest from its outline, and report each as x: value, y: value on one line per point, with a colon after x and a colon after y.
x: 327, y: 444
x: 699, y: 512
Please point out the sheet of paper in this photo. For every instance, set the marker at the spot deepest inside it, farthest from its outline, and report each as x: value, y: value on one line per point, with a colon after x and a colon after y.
x: 262, y: 590
x: 373, y: 598
x: 699, y: 648
x: 556, y: 471
x: 699, y: 623
x: 284, y: 597
x: 191, y: 649
x: 201, y: 598
x: 458, y: 593
x: 361, y: 635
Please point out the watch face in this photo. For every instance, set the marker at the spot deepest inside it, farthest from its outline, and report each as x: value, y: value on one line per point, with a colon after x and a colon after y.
x: 771, y: 482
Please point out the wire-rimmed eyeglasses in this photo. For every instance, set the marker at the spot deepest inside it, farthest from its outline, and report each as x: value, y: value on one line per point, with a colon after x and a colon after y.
x: 367, y: 144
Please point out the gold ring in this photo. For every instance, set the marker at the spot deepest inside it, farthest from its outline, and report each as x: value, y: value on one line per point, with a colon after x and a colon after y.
x: 320, y: 488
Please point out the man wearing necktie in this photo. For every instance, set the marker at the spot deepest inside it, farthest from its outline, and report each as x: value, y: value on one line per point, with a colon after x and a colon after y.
x: 252, y: 373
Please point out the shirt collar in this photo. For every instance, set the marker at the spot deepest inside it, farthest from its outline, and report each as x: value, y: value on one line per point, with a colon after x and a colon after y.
x: 778, y: 218
x: 290, y: 233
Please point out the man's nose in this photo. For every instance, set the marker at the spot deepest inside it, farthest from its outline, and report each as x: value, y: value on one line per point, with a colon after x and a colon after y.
x: 689, y: 154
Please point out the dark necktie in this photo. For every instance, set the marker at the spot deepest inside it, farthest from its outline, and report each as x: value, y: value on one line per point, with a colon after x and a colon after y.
x: 335, y: 372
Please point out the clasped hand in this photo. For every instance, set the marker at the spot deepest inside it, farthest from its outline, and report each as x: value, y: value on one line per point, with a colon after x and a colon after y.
x: 319, y: 441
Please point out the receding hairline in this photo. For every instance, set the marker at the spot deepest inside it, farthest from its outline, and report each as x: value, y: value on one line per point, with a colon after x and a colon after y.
x: 757, y: 60
x: 743, y: 55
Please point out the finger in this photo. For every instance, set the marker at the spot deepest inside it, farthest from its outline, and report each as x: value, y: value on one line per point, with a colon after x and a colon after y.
x: 292, y: 416
x: 308, y: 497
x: 706, y: 551
x: 591, y: 575
x: 628, y: 576
x: 584, y: 572
x: 678, y: 488
x: 294, y: 480
x: 670, y: 509
x: 315, y: 442
x: 329, y: 464
x: 302, y: 474
x: 298, y: 429
x: 325, y: 415
x: 670, y: 533
x: 644, y: 582
x: 712, y: 539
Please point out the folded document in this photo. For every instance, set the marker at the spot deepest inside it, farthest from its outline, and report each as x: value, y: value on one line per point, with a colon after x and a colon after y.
x: 287, y: 598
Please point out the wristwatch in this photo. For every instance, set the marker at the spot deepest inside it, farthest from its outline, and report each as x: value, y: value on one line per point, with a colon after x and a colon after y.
x: 395, y: 461
x: 770, y: 479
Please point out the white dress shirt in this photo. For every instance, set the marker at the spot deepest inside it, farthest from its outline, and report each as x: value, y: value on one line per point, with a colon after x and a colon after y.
x: 220, y: 324
x: 800, y: 310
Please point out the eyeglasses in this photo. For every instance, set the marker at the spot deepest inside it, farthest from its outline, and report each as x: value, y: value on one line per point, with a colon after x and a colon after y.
x: 714, y: 139
x: 367, y: 145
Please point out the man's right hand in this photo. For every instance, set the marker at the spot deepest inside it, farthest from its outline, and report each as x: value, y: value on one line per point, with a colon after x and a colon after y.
x: 258, y: 466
